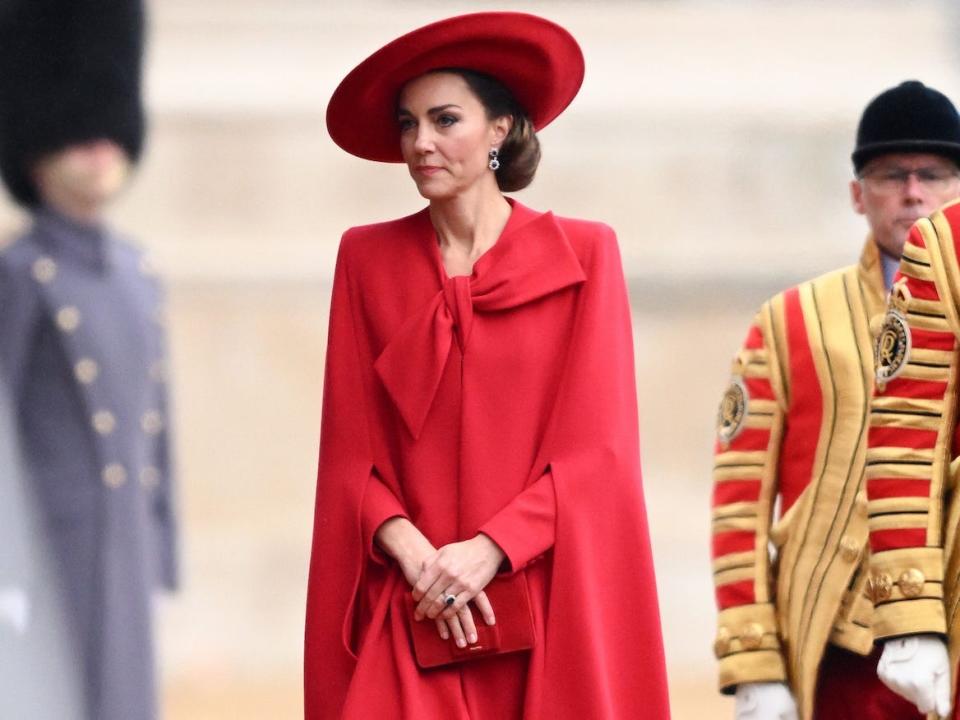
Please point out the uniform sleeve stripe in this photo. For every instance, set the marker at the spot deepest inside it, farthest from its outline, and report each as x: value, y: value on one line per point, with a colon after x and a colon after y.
x: 732, y: 541
x: 737, y: 593
x: 881, y: 540
x: 931, y: 339
x: 754, y: 339
x: 732, y: 491
x: 915, y: 238
x: 883, y: 487
x: 751, y: 439
x: 759, y: 388
x: 902, y: 437
x: 919, y: 389
x: 915, y: 261
x: 923, y: 289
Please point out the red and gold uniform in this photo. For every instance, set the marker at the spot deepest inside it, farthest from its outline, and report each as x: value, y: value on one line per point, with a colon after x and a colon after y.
x: 912, y: 462
x: 789, y: 460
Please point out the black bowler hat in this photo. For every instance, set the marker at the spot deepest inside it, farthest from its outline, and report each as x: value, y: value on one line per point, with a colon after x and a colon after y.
x: 70, y: 71
x: 911, y: 118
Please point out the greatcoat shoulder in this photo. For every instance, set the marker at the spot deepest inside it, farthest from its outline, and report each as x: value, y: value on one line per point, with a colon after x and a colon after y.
x: 17, y: 271
x: 15, y: 254
x: 19, y: 306
x: 134, y: 259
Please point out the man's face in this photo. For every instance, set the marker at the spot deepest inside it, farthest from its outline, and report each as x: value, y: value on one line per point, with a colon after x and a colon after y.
x: 894, y: 191
x: 88, y: 174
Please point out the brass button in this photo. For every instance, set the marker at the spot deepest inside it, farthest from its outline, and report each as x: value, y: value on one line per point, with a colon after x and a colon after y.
x: 86, y: 370
x: 114, y: 475
x: 151, y: 422
x: 752, y: 636
x: 721, y: 646
x: 879, y: 587
x: 911, y: 582
x: 104, y: 422
x: 150, y: 477
x: 849, y: 548
x: 157, y: 371
x: 68, y: 318
x: 44, y: 269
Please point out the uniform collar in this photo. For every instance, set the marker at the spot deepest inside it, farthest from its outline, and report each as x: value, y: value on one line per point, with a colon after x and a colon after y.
x: 872, y: 278
x: 889, y: 265
x: 66, y: 239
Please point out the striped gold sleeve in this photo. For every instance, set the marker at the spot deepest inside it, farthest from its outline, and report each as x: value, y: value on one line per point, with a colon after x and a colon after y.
x: 749, y: 427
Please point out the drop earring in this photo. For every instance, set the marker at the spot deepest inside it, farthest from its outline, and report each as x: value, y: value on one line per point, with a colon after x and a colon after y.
x: 494, y: 163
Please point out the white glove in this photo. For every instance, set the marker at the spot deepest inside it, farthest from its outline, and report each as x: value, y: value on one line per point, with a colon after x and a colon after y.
x: 14, y: 608
x: 917, y: 667
x: 764, y: 701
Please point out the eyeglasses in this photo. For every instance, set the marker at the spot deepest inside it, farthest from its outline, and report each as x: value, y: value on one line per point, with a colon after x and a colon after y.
x: 894, y: 179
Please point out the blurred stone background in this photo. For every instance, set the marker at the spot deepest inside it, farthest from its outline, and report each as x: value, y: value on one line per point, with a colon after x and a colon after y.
x: 714, y: 136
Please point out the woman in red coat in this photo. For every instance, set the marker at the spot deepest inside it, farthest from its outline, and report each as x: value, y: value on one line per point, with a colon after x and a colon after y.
x: 479, y: 435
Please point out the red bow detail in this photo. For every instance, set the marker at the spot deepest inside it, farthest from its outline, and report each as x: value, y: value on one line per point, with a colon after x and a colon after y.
x: 528, y: 262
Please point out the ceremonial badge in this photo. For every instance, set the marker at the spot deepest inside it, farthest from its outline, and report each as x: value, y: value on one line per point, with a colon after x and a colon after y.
x: 893, y: 348
x: 733, y: 411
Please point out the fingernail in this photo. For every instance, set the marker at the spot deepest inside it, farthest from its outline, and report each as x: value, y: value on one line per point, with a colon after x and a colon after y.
x: 493, y: 621
x: 473, y: 638
x: 461, y: 643
x: 444, y: 634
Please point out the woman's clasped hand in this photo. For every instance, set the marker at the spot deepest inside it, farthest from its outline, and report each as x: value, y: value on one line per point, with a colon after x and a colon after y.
x: 460, y: 570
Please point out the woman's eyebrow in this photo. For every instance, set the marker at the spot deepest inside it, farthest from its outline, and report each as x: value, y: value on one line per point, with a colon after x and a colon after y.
x: 431, y: 111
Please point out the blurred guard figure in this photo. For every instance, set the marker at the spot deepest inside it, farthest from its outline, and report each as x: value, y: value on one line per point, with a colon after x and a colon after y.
x: 796, y: 635
x: 81, y: 349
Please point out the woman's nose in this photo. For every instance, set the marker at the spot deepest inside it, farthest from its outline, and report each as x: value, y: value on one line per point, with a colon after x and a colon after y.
x: 424, y: 141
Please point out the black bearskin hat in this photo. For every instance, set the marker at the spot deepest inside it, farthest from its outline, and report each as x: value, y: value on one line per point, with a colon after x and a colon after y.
x: 908, y: 118
x: 70, y: 71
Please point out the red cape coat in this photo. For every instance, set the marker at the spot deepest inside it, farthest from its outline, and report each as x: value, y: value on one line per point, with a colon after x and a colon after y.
x: 448, y: 399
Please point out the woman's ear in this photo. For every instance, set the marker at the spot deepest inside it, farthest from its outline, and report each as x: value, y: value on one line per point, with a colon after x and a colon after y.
x: 501, y: 128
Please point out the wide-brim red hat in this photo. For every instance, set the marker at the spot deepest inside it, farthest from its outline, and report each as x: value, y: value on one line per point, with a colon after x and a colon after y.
x: 537, y: 60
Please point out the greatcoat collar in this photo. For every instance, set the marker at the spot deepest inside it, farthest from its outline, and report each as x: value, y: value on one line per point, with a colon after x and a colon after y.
x: 66, y: 239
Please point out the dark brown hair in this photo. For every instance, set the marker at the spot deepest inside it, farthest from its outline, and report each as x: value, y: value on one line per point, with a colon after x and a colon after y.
x: 520, y: 150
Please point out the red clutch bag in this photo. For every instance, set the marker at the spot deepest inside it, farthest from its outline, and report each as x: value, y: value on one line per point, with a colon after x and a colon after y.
x: 512, y: 632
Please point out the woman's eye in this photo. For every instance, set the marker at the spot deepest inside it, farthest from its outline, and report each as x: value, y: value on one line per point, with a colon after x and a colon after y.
x: 446, y: 120
x: 405, y: 124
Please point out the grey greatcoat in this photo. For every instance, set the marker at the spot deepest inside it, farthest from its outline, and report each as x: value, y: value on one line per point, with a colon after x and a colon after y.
x: 82, y: 352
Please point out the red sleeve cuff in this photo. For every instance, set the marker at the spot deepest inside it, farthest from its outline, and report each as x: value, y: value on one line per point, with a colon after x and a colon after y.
x: 525, y: 528
x: 379, y: 505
